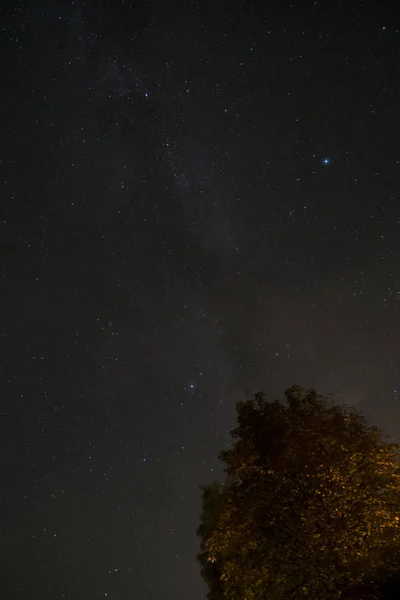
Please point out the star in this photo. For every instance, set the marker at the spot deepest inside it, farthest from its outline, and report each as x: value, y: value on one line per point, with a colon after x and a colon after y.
x: 326, y: 161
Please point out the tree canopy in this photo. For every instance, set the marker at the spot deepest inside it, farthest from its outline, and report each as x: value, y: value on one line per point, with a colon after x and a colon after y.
x: 310, y: 507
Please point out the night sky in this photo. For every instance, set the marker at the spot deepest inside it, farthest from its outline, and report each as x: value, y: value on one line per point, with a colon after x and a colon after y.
x: 200, y: 200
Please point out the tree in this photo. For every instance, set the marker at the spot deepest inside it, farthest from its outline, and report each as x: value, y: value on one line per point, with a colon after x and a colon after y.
x: 311, y: 508
x: 212, y: 497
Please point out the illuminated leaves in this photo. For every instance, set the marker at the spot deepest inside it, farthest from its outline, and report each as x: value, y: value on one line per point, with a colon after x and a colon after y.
x: 312, y: 507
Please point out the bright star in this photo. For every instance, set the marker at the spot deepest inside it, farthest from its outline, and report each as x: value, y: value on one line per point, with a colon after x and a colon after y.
x: 326, y: 161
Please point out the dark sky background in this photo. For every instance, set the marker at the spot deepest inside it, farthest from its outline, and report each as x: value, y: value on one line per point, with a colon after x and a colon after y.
x: 200, y: 200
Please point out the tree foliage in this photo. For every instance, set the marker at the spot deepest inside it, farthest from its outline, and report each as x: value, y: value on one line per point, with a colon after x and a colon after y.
x: 311, y: 507
x: 212, y: 498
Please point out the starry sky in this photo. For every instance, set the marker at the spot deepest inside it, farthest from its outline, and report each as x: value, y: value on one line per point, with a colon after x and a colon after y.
x: 200, y: 200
